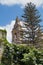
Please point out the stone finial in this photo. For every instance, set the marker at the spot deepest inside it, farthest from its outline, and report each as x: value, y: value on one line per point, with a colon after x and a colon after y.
x: 17, y: 19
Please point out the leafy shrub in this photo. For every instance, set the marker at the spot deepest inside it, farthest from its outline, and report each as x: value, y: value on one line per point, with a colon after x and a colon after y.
x: 21, y: 55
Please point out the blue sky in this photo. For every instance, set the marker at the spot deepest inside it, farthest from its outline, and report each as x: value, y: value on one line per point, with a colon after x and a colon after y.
x: 9, y: 13
x: 10, y: 9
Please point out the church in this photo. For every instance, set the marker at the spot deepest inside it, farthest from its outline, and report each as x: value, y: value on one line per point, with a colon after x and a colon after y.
x: 17, y: 31
x: 17, y: 34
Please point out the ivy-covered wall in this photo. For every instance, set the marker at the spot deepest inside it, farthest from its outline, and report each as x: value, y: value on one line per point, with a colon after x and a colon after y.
x: 3, y: 34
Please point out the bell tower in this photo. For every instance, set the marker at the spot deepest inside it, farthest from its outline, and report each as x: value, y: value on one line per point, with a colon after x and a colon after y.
x: 16, y: 32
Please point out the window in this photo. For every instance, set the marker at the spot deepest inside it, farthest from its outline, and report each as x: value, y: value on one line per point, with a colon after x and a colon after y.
x: 15, y: 35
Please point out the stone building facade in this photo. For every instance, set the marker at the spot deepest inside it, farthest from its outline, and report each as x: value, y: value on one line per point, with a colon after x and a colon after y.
x: 16, y: 32
x: 3, y: 34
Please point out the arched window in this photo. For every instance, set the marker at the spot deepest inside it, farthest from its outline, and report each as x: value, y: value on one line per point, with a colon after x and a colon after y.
x: 15, y: 35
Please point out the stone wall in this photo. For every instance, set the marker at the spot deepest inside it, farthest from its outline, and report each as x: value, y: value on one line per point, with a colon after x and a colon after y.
x: 3, y: 34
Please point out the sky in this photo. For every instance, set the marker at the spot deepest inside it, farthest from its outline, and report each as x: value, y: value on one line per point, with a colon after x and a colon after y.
x: 10, y: 9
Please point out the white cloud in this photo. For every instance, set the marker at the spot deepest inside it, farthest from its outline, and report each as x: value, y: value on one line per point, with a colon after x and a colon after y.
x: 9, y: 28
x: 21, y: 2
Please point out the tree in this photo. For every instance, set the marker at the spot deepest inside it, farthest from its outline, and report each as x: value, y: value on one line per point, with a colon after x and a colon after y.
x: 32, y: 19
x: 21, y: 55
x: 7, y: 54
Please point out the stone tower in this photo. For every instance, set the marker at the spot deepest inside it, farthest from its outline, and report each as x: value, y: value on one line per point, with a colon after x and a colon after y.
x: 16, y: 33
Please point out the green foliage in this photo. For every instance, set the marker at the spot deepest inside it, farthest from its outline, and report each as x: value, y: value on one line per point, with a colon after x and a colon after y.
x: 21, y: 55
x: 32, y: 19
x: 6, y: 58
x: 3, y: 30
x: 35, y: 57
